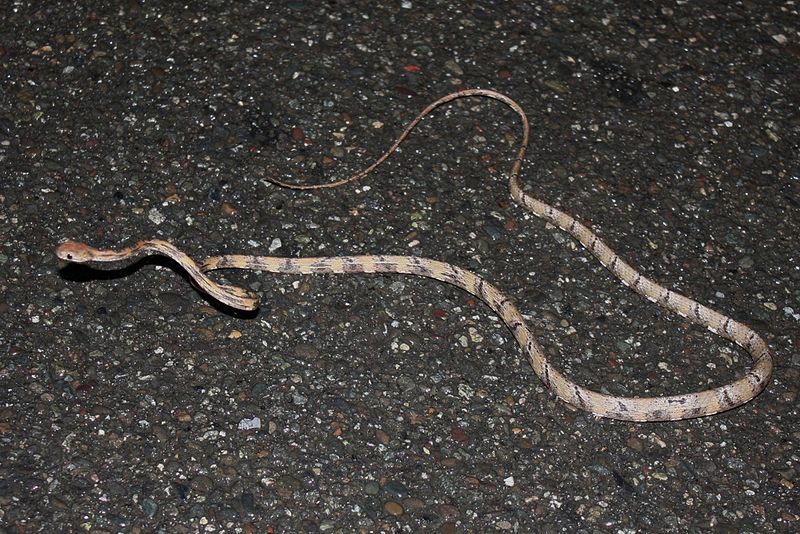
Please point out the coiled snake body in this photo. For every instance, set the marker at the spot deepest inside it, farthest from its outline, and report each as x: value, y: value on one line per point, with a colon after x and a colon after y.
x: 665, y: 408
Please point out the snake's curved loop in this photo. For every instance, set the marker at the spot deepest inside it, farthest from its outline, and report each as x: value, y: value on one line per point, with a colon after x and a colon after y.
x: 666, y: 408
x: 81, y: 253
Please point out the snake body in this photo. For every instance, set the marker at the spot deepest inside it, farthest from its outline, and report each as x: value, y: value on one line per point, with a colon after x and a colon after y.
x: 666, y: 408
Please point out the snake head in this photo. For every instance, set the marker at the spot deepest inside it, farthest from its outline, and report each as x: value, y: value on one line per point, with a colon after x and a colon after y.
x: 74, y: 252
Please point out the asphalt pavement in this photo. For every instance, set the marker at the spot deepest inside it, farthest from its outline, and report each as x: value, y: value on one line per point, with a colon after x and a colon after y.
x: 391, y: 403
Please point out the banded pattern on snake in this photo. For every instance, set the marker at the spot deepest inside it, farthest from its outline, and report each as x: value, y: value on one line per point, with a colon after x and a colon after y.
x: 667, y: 408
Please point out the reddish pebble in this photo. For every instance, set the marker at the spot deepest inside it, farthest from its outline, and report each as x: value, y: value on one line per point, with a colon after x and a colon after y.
x: 412, y: 68
x: 405, y: 91
x: 448, y: 512
x: 504, y: 73
x: 182, y: 416
x: 382, y: 437
x: 297, y: 134
x: 393, y: 508
x: 458, y: 434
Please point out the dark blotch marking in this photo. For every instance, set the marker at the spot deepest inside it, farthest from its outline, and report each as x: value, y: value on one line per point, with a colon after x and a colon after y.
x: 321, y: 266
x: 694, y: 412
x: 727, y: 398
x: 451, y: 276
x: 252, y: 263
x: 482, y: 289
x: 725, y: 325
x: 352, y: 268
x: 382, y: 265
x: 287, y: 266
x: 351, y: 265
x: 753, y: 374
x: 422, y: 269
x: 425, y: 271
x: 581, y: 400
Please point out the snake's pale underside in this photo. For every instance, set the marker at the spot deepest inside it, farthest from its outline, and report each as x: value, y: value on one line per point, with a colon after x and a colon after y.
x: 666, y: 408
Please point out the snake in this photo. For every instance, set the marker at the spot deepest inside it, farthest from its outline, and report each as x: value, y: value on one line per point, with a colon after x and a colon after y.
x: 635, y: 408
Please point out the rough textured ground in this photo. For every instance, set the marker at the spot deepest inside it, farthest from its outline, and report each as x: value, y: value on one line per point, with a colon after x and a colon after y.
x: 390, y: 403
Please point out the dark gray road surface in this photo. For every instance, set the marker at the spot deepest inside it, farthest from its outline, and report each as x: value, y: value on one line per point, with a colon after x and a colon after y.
x: 128, y: 403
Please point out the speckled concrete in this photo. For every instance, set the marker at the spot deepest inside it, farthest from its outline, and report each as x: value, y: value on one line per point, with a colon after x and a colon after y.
x: 128, y: 403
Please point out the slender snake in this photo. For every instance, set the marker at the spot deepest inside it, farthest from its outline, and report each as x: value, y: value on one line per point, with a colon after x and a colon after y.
x: 667, y: 408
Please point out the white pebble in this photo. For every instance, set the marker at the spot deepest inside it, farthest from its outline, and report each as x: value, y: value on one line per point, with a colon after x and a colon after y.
x: 790, y: 312
x: 155, y: 216
x: 249, y: 424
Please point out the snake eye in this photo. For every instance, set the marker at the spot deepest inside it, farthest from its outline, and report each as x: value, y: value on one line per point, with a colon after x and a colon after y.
x: 69, y: 256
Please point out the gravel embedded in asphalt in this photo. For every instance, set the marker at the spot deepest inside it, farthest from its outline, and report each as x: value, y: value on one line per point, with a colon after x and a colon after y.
x: 379, y: 403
